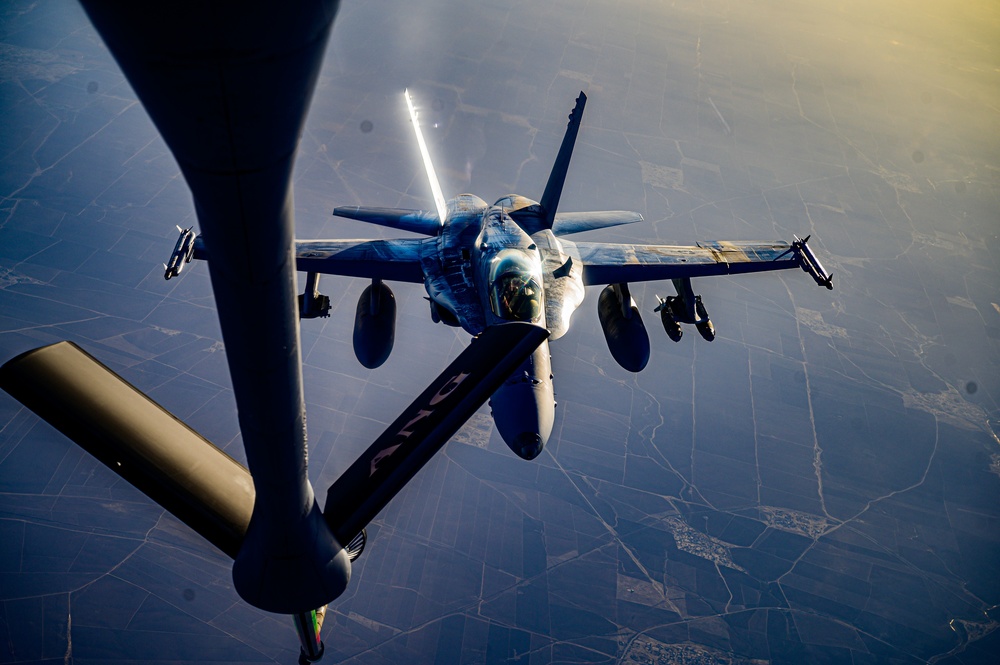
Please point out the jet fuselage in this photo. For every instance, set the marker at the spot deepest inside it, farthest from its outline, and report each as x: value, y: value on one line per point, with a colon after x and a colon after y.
x: 484, y: 270
x: 488, y: 266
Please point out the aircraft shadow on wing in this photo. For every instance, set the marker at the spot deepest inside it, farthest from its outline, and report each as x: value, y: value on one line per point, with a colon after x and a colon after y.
x: 486, y: 265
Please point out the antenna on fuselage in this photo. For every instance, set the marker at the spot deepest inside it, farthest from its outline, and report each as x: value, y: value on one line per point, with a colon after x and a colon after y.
x: 439, y: 202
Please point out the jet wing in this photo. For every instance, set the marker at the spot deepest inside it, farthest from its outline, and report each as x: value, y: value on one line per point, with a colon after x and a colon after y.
x: 605, y: 263
x: 397, y: 260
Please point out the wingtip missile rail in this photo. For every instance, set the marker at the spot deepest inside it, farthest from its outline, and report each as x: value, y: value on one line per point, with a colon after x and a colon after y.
x: 183, y: 251
x: 810, y: 263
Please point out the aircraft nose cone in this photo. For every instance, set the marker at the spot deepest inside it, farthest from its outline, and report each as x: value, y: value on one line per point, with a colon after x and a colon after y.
x: 524, y: 407
x: 529, y: 444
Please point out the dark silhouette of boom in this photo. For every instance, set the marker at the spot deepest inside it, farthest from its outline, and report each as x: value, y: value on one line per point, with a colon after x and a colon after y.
x: 228, y: 86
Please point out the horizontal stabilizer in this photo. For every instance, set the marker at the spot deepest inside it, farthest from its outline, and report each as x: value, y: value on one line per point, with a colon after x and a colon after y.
x: 577, y: 222
x: 415, y: 221
x: 136, y: 438
x: 419, y: 432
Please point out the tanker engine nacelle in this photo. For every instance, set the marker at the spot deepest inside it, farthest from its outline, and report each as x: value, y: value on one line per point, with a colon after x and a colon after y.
x: 623, y: 327
x: 375, y: 325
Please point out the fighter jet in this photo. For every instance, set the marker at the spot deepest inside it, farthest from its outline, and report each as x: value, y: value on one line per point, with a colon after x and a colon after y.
x: 487, y: 265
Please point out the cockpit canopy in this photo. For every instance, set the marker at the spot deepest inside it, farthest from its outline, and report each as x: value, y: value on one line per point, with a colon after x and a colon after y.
x: 515, y: 287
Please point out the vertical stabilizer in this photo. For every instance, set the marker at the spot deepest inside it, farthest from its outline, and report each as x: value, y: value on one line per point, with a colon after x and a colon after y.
x: 553, y: 188
x: 439, y: 202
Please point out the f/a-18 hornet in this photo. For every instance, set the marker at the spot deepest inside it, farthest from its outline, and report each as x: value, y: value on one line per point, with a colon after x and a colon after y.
x: 485, y: 265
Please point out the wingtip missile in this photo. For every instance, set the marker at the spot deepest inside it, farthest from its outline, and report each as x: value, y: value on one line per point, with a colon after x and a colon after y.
x: 183, y: 251
x: 810, y: 263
